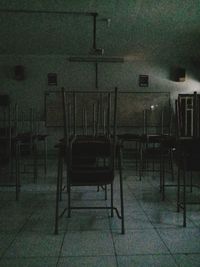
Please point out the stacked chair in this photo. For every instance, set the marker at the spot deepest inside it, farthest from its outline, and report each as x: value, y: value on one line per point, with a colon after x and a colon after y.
x: 27, y: 142
x: 188, y: 148
x: 29, y: 137
x: 9, y: 152
x: 155, y: 151
x: 90, y: 154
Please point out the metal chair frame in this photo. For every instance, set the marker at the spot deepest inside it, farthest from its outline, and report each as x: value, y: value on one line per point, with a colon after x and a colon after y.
x: 67, y: 156
x: 188, y: 146
x: 188, y: 150
x: 9, y: 146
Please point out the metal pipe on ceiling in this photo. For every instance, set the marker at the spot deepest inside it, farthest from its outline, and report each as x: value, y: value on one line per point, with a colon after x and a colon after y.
x: 94, y: 30
x: 28, y: 11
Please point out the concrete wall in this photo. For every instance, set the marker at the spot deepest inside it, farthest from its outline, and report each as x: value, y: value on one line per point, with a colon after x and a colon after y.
x: 30, y: 92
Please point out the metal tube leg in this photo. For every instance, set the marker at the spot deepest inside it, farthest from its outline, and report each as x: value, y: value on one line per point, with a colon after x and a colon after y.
x: 136, y: 157
x: 178, y: 191
x: 61, y: 177
x: 140, y: 165
x: 163, y: 178
x: 35, y: 163
x: 105, y: 191
x: 153, y: 164
x: 161, y: 173
x: 163, y: 185
x: 57, y: 194
x: 17, y: 174
x: 121, y: 196
x: 45, y: 156
x: 184, y: 198
x: 68, y: 193
x: 69, y: 201
x: 191, y: 182
x: 171, y: 164
x: 122, y: 157
x: 111, y: 199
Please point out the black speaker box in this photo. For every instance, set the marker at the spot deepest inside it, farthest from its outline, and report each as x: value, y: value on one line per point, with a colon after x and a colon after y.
x: 4, y: 100
x: 19, y: 73
x: 180, y: 74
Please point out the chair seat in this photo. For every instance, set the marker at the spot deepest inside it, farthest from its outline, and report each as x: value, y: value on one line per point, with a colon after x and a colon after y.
x: 128, y: 137
x: 42, y: 137
x: 91, y: 146
x: 91, y: 176
x: 155, y: 151
x: 189, y: 162
x: 187, y: 154
x: 24, y: 137
x: 4, y: 160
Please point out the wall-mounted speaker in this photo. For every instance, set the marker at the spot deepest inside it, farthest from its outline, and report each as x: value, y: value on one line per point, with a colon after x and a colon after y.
x: 19, y: 73
x: 180, y: 75
x: 4, y: 100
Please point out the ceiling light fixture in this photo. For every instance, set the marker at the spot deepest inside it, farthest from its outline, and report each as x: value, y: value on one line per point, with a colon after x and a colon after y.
x: 96, y: 59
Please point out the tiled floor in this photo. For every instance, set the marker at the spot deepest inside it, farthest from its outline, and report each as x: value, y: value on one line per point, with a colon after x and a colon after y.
x: 154, y: 233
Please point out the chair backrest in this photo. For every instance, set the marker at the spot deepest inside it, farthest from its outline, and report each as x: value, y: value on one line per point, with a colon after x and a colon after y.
x: 188, y: 131
x: 187, y: 115
x: 89, y: 112
x: 90, y: 124
x: 188, y: 153
x: 5, y: 129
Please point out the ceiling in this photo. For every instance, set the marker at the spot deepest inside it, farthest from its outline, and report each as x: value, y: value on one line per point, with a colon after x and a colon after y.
x: 136, y: 30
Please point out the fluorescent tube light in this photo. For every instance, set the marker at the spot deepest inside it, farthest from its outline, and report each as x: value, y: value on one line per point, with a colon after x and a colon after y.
x: 96, y: 59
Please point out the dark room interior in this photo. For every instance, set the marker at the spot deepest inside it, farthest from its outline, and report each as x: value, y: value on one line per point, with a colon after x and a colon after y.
x: 100, y: 133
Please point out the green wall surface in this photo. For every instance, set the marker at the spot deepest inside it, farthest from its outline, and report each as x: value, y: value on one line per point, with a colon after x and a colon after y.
x: 77, y: 75
x: 154, y: 38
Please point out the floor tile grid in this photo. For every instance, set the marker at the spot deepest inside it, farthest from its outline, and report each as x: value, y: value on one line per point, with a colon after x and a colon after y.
x: 115, y: 252
x: 155, y: 228
x: 75, y: 258
x: 29, y: 259
x: 60, y: 257
x: 175, y: 256
x: 108, y: 211
x: 60, y: 252
x: 171, y: 199
x: 119, y: 257
x: 15, y: 236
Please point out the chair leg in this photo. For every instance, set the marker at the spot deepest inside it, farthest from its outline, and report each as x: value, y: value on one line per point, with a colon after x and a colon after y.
x: 121, y: 197
x: 35, y: 162
x: 58, y: 194
x: 16, y: 181
x: 17, y: 174
x: 140, y: 165
x: 184, y: 198
x: 69, y: 201
x: 105, y: 191
x: 171, y: 164
x: 191, y: 182
x: 68, y: 194
x: 136, y: 157
x: 163, y: 178
x: 45, y: 156
x: 111, y: 191
x: 61, y: 178
x: 178, y: 191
